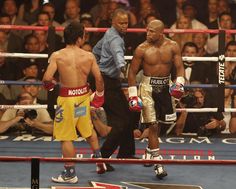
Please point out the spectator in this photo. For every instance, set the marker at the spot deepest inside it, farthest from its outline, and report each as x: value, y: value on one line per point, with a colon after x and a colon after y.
x: 10, y: 8
x: 105, y: 20
x: 145, y: 8
x: 230, y: 51
x: 5, y: 69
x: 29, y: 70
x: 43, y: 19
x: 166, y: 7
x: 5, y: 94
x: 19, y: 121
x: 223, y: 6
x: 5, y: 74
x: 87, y: 20
x: 99, y: 10
x: 226, y: 23
x: 99, y: 120
x: 3, y: 40
x: 190, y: 11
x: 211, y: 19
x: 72, y: 12
x: 12, y: 42
x: 31, y: 45
x: 42, y: 37
x: 29, y: 10
x: 200, y: 39
x: 50, y: 9
x: 35, y: 90
x: 183, y: 22
x: 202, y: 123
x: 195, y: 72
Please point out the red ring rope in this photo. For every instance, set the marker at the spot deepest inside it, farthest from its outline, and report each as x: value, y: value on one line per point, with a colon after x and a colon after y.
x: 118, y: 161
x: 44, y: 28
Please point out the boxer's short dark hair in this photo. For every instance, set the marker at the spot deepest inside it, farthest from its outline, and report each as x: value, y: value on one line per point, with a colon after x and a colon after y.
x: 72, y: 32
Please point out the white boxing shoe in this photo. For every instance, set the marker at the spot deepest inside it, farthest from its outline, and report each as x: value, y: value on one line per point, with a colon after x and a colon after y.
x: 64, y: 178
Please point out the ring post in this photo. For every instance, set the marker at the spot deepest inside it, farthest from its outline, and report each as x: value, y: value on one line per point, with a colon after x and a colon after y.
x: 35, y: 173
x: 221, y: 72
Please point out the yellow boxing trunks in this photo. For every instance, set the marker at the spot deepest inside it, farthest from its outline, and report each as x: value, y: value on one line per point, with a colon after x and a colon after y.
x: 72, y: 114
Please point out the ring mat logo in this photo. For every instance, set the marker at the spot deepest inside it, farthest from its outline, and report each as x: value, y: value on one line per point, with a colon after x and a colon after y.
x: 161, y: 186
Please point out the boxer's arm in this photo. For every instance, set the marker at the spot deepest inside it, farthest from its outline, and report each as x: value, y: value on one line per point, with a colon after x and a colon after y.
x: 98, y: 96
x: 135, y: 103
x: 177, y: 88
x: 97, y: 75
x: 48, y: 79
x: 135, y: 66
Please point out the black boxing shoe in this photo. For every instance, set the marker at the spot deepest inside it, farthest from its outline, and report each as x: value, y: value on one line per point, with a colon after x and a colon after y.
x: 160, y: 171
x: 109, y: 167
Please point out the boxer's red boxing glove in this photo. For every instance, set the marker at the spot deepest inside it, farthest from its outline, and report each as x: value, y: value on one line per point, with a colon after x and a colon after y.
x: 97, y: 99
x: 49, y: 85
x: 177, y: 89
x: 135, y: 103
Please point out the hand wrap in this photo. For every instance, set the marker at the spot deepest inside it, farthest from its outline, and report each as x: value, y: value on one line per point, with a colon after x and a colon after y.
x: 49, y: 85
x: 97, y: 99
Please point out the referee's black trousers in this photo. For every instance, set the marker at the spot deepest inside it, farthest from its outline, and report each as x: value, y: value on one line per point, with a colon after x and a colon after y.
x: 119, y: 118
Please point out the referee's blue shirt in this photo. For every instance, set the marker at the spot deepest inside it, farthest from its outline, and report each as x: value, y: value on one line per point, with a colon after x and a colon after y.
x: 109, y: 52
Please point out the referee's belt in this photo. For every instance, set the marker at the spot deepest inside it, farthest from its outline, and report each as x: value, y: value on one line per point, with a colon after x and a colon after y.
x: 156, y: 81
x: 74, y: 91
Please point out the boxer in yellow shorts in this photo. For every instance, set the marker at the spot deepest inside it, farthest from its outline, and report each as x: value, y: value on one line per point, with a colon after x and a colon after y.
x: 73, y: 104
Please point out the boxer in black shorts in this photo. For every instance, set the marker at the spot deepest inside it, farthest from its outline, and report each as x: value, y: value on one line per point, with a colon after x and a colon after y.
x: 156, y: 56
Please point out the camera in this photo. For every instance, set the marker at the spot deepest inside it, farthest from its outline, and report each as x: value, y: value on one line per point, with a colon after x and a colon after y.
x: 189, y: 100
x: 29, y: 113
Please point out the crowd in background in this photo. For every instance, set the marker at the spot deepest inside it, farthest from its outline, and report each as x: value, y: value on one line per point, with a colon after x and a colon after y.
x: 180, y: 14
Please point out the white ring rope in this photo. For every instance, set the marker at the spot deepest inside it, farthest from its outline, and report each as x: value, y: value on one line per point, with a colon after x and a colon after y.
x: 38, y: 106
x: 184, y: 58
x: 23, y: 55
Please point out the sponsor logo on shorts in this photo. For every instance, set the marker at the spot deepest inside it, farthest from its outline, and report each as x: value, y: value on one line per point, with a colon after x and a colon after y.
x: 75, y: 92
x: 157, y: 81
x: 59, y: 114
x: 171, y: 117
x: 80, y: 111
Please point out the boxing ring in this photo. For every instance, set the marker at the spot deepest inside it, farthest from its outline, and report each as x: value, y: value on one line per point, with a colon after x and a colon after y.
x: 28, y: 161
